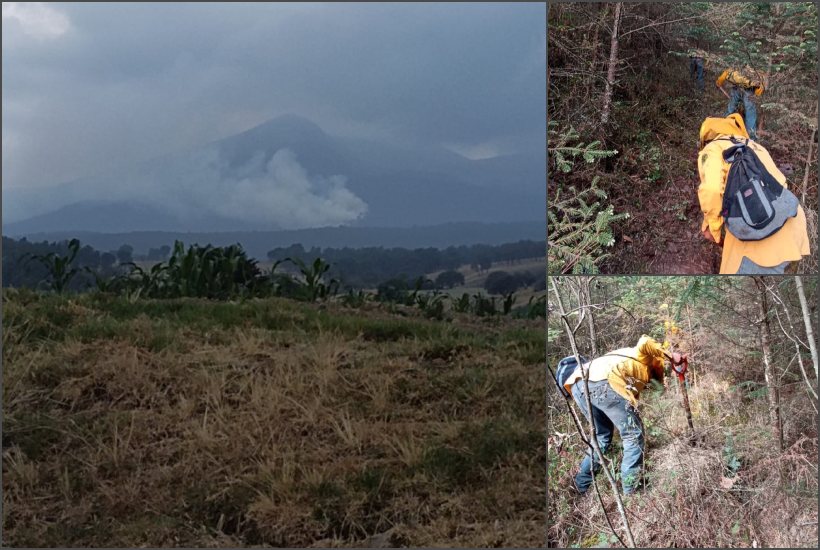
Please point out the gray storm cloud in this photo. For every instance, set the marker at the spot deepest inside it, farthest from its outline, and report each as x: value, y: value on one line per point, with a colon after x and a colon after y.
x: 95, y: 86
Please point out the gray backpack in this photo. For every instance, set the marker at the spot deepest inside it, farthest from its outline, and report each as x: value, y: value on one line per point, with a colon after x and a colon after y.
x: 566, y: 367
x: 755, y: 205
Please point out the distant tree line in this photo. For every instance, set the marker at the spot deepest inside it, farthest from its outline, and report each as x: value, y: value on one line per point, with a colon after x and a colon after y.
x: 368, y: 267
x: 352, y: 268
x: 223, y: 273
x: 21, y: 270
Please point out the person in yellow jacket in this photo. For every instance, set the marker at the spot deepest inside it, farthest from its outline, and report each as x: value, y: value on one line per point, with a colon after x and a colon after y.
x: 616, y: 380
x: 771, y: 255
x: 742, y: 88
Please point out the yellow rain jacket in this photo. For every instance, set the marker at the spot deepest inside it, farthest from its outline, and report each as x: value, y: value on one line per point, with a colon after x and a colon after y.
x: 790, y: 243
x: 628, y: 370
x: 739, y: 79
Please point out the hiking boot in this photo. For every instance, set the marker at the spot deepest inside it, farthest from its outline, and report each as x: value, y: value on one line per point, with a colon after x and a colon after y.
x: 569, y: 481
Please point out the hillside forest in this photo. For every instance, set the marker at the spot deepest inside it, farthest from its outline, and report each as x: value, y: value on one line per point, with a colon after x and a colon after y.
x: 730, y: 452
x: 624, y: 112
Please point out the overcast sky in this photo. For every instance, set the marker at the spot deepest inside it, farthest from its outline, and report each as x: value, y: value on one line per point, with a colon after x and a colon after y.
x: 88, y: 87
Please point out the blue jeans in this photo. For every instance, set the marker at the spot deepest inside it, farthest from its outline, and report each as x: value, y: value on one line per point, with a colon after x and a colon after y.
x: 748, y: 267
x: 737, y: 95
x: 610, y: 410
x: 696, y: 72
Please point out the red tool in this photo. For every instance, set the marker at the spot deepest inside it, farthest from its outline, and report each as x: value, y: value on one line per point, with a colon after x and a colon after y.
x: 684, y: 363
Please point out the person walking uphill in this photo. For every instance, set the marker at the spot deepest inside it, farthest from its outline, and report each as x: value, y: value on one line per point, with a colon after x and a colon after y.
x: 616, y: 380
x: 696, y: 58
x: 741, y: 92
x: 753, y: 253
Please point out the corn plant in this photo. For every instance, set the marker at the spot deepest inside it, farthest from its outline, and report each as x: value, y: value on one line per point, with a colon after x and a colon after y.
x: 462, y: 305
x: 200, y: 271
x: 213, y: 272
x: 483, y: 306
x: 152, y: 282
x: 432, y: 304
x: 107, y: 284
x: 60, y: 270
x: 509, y: 301
x: 313, y: 286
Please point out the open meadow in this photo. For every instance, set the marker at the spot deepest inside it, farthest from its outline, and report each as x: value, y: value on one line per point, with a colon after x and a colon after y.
x: 267, y: 421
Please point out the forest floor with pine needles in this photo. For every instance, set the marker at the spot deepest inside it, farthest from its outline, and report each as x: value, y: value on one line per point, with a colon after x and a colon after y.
x: 655, y: 179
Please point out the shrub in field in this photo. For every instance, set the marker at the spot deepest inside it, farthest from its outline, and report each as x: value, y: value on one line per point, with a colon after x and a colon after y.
x: 393, y: 290
x: 483, y: 306
x: 356, y: 299
x: 449, y: 279
x: 400, y: 291
x: 501, y: 282
x: 537, y: 307
x: 462, y: 305
x: 509, y: 300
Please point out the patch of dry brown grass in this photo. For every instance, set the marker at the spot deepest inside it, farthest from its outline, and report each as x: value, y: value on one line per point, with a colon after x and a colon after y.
x: 734, y: 488
x: 282, y: 424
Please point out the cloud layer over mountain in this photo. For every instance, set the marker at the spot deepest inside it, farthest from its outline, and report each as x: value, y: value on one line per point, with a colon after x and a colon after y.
x: 89, y: 88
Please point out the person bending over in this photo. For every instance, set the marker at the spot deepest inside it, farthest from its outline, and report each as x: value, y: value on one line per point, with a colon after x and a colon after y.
x: 616, y: 380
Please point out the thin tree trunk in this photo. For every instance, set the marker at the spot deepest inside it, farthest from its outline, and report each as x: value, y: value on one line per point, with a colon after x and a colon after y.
x: 688, y: 410
x: 804, y: 306
x: 613, y: 62
x: 593, y: 336
x: 791, y: 335
x: 672, y: 337
x: 808, y: 166
x: 771, y: 382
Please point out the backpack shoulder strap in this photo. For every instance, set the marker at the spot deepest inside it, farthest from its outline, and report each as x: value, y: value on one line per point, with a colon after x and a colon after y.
x: 611, y: 354
x: 765, y: 175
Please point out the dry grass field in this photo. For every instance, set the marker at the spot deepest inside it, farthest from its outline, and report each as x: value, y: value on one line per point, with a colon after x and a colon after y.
x: 268, y: 423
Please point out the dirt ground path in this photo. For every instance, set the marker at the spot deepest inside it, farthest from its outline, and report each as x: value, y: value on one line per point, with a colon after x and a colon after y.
x: 680, y: 247
x: 663, y: 236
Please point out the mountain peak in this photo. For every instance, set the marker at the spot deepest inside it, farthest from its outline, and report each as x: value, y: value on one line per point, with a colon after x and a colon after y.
x: 288, y: 125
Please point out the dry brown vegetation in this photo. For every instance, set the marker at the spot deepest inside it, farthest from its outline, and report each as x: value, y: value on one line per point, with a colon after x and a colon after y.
x: 734, y: 487
x: 267, y: 422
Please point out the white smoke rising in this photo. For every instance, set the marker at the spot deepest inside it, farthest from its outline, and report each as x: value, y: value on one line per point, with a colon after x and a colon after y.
x: 279, y: 193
